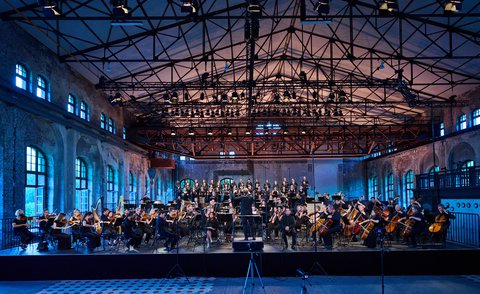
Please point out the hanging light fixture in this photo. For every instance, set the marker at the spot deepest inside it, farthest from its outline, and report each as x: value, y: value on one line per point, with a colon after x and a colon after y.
x: 209, y: 132
x: 322, y: 7
x: 173, y: 132
x: 120, y: 9
x: 191, y: 132
x: 386, y: 7
x: 453, y: 6
x: 50, y: 8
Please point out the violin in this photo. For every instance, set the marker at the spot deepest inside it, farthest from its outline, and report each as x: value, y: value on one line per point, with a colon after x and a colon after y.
x: 26, y: 218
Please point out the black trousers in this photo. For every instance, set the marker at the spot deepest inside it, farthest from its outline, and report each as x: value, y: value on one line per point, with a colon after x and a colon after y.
x: 133, y: 239
x: 292, y: 233
x: 327, y: 239
x: 25, y: 236
x: 93, y: 240
x: 64, y: 240
x: 412, y: 238
x: 248, y: 224
x: 171, y: 239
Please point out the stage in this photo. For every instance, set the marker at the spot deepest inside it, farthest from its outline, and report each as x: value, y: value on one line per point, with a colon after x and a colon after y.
x: 222, y: 261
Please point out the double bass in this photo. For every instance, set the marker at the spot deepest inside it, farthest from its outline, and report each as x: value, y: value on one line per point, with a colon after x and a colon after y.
x: 392, y: 225
x: 367, y: 229
x: 439, y: 225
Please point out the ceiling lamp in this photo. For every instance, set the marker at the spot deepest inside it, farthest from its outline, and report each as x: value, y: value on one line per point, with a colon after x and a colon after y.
x: 453, y: 6
x: 50, y: 8
x: 174, y: 98
x: 247, y: 131
x: 189, y: 6
x: 120, y: 8
x: 285, y: 131
x: 234, y: 97
x: 322, y: 7
x: 173, y: 132
x: 342, y: 96
x: 304, y: 131
x: 191, y: 132
x: 224, y: 98
x: 209, y: 132
x: 229, y: 131
x: 331, y: 98
x: 385, y: 7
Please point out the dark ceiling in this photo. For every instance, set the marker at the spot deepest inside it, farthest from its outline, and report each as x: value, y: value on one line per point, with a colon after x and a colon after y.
x: 385, y: 73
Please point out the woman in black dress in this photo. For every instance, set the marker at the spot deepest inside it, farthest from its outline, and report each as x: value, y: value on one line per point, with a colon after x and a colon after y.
x: 64, y: 240
x: 87, y: 230
x: 20, y: 228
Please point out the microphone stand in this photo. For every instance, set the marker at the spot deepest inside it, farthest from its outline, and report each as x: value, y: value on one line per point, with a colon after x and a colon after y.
x: 177, y: 267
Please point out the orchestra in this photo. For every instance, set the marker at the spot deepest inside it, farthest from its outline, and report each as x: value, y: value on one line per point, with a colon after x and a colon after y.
x: 209, y: 211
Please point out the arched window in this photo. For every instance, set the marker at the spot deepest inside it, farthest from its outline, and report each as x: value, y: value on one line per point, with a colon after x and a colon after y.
x: 185, y: 181
x: 476, y: 117
x: 111, y: 197
x: 84, y: 111
x: 42, y: 88
x: 81, y: 185
x: 36, y: 181
x: 132, y: 185
x: 226, y: 181
x: 408, y: 187
x: 124, y: 133
x: 442, y: 129
x: 72, y: 104
x: 21, y: 76
x: 388, y: 186
x: 462, y: 122
x: 432, y: 171
x: 103, y: 121
x: 373, y: 186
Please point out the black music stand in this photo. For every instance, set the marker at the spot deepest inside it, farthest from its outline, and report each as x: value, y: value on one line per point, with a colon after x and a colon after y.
x: 316, y: 266
x: 223, y: 219
x: 177, y: 268
x: 252, y: 269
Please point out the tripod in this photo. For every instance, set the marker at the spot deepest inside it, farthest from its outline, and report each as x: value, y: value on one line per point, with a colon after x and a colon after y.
x: 252, y: 268
x: 176, y: 267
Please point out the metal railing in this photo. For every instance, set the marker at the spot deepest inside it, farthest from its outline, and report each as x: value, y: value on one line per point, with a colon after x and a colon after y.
x: 452, y: 179
x: 465, y: 229
x: 7, y: 237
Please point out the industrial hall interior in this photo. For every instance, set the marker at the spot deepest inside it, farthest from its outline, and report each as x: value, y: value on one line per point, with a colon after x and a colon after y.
x: 229, y: 146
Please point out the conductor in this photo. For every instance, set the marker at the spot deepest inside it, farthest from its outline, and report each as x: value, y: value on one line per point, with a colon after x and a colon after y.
x: 246, y: 209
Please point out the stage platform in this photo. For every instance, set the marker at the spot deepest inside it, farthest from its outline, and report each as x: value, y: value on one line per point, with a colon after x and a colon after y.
x: 222, y: 261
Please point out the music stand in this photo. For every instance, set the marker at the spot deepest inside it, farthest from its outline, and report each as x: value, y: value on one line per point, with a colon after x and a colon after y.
x: 177, y: 267
x: 252, y: 269
x: 316, y: 266
x: 223, y: 219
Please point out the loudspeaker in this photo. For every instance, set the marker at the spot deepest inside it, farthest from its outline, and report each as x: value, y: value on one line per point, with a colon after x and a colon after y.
x: 250, y: 245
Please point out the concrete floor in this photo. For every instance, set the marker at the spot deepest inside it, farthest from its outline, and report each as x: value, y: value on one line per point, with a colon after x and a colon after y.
x: 320, y: 284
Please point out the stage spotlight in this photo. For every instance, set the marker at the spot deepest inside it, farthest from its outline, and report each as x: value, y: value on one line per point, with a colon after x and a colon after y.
x: 331, y: 98
x: 189, y: 6
x: 286, y: 96
x: 265, y: 130
x: 50, y: 8
x: 191, y: 132
x: 174, y: 98
x: 209, y: 132
x: 229, y: 131
x: 342, y: 96
x: 303, y: 76
x: 247, y: 131
x: 322, y: 7
x: 304, y: 131
x: 173, y: 132
x: 224, y: 98
x: 285, y: 131
x: 234, y: 97
x: 254, y: 7
x: 120, y: 8
x: 453, y: 6
x: 385, y: 7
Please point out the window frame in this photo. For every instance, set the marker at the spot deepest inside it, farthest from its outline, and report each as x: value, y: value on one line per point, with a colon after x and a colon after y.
x: 111, y: 125
x: 476, y: 117
x: 45, y: 88
x: 103, y: 121
x: 36, y: 166
x: 22, y: 75
x: 84, y: 113
x: 441, y: 129
x: 462, y: 122
x: 389, y: 187
x: 72, y: 104
x: 409, y: 186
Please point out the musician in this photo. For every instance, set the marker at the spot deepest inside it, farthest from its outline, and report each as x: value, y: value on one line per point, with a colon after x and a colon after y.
x: 418, y: 226
x: 397, y: 214
x: 76, y: 221
x: 335, y: 216
x: 163, y: 231
x: 42, y: 221
x: 304, y: 184
x: 375, y: 219
x: 64, y: 240
x: 247, y: 204
x: 446, y: 216
x: 414, y: 202
x: 371, y: 205
x: 287, y: 227
x: 87, y: 231
x: 107, y: 225
x: 273, y: 223
x: 249, y: 185
x: 20, y: 228
x: 212, y: 228
x: 284, y: 187
x: 133, y: 236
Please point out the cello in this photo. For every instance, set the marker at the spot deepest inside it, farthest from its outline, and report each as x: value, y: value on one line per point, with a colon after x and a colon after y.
x: 440, y: 222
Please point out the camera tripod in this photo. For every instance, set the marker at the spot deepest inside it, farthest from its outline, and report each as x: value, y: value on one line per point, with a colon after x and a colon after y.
x: 252, y: 268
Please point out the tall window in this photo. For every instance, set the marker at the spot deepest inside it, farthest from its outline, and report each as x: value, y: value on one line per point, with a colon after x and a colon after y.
x: 476, y: 117
x: 42, y: 88
x: 103, y: 121
x: 124, y: 133
x: 111, y: 197
x: 36, y: 181
x: 111, y: 126
x: 432, y: 171
x: 21, y: 76
x: 72, y: 104
x: 465, y: 173
x: 132, y: 185
x: 84, y: 111
x: 81, y: 185
x: 442, y: 129
x: 389, y: 186
x: 408, y: 187
x: 373, y: 187
x: 462, y: 122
